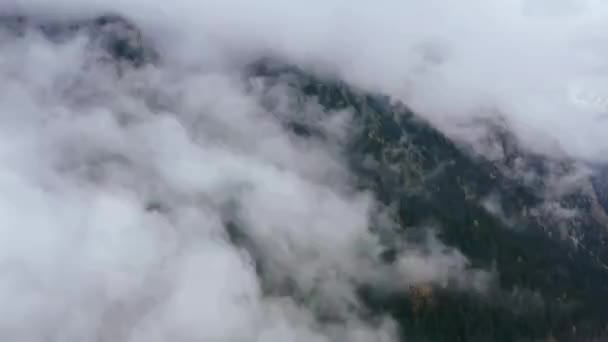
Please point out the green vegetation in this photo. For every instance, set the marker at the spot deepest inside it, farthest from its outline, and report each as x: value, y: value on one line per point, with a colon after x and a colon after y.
x: 545, y: 288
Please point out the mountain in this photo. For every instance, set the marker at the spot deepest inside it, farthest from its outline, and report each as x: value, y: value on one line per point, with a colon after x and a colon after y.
x: 548, y: 270
x: 546, y: 285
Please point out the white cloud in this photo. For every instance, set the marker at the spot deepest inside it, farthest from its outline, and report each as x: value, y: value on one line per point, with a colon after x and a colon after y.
x: 84, y: 157
x: 448, y: 60
x: 84, y: 153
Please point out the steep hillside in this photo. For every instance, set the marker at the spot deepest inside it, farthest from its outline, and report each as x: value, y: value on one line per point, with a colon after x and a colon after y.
x: 547, y: 283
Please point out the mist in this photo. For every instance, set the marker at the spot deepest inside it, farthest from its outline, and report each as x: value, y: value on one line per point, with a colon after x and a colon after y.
x: 117, y: 190
x: 537, y: 64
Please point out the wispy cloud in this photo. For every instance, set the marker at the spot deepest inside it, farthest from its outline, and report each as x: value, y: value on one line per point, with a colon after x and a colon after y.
x: 115, y: 187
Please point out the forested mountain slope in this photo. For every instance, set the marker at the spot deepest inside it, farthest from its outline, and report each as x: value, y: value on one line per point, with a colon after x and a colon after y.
x: 546, y: 284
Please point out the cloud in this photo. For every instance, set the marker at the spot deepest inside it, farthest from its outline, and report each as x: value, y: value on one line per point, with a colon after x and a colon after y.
x: 115, y: 188
x: 118, y: 188
x: 538, y: 64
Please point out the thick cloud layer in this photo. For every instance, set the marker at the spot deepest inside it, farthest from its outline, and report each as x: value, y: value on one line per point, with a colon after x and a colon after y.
x: 539, y: 64
x: 117, y: 191
x: 167, y: 203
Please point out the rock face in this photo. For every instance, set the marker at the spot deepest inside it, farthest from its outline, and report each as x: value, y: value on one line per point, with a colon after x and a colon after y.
x: 552, y: 278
